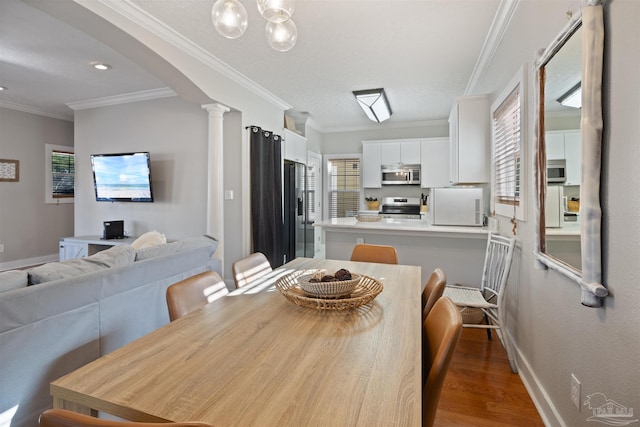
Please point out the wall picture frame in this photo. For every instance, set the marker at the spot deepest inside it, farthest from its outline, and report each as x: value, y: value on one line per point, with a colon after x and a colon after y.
x: 9, y: 170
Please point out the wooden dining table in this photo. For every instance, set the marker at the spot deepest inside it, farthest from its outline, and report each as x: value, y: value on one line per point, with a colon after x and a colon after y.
x: 253, y: 358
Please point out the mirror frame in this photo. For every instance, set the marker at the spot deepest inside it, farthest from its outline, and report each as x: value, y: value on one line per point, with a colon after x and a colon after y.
x: 591, y: 20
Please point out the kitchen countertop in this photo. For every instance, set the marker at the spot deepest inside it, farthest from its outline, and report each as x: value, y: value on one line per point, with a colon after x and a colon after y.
x: 400, y: 226
x: 569, y: 229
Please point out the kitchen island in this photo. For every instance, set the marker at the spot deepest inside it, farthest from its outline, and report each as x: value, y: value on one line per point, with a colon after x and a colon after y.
x: 459, y: 251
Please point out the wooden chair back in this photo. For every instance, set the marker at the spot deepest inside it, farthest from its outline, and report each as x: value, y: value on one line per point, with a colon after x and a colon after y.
x: 249, y: 269
x: 382, y: 254
x: 433, y: 290
x: 193, y: 293
x: 443, y: 327
x: 64, y: 418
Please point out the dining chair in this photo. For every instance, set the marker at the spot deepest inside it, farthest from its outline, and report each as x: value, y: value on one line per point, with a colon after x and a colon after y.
x: 65, y: 418
x: 249, y: 269
x: 382, y: 254
x: 193, y: 293
x: 433, y: 290
x: 442, y: 327
x: 489, y: 297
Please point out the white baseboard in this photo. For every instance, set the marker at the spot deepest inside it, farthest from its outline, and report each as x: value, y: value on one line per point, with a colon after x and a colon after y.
x: 544, y: 405
x: 21, y: 263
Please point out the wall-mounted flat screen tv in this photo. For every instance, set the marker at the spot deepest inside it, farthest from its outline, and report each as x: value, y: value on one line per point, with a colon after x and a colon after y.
x: 122, y: 177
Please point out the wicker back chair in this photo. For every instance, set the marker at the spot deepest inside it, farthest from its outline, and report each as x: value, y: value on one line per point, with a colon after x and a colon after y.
x: 490, y: 296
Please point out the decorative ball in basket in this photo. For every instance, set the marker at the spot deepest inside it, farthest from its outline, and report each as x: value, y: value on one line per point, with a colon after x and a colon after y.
x: 329, y: 286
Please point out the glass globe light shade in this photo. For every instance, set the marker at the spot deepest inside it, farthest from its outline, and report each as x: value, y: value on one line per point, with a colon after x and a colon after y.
x: 281, y: 36
x: 229, y: 18
x: 276, y: 10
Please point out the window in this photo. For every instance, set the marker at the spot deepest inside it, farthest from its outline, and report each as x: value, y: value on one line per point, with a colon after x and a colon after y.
x: 508, y: 150
x: 343, y: 187
x: 60, y: 170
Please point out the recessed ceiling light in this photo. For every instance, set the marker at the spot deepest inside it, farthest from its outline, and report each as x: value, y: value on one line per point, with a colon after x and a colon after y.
x: 3, y: 88
x: 100, y: 66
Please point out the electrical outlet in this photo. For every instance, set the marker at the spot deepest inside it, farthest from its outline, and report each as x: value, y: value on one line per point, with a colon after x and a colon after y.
x: 1, y: 247
x: 359, y: 240
x: 575, y: 391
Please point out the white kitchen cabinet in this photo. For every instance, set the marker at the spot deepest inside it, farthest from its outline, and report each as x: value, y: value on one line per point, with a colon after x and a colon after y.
x: 295, y: 147
x: 469, y: 133
x: 566, y: 145
x: 434, y: 161
x: 371, y: 174
x: 554, y: 141
x: 573, y: 156
x: 400, y: 151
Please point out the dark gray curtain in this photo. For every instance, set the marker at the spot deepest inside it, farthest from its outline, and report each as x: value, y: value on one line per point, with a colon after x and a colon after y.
x: 266, y: 195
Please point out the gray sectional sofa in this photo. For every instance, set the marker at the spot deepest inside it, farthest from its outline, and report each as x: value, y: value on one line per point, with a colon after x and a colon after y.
x: 76, y: 311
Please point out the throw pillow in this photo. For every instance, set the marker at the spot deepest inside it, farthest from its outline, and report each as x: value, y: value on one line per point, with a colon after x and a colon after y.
x: 13, y: 279
x: 151, y: 238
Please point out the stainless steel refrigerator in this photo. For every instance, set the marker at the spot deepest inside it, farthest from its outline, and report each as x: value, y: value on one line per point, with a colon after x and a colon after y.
x: 298, y: 229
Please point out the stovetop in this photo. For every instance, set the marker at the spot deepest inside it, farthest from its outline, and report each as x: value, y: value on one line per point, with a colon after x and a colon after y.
x: 401, y: 207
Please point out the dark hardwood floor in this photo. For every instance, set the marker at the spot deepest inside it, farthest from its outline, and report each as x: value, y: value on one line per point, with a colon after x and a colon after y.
x: 480, y: 390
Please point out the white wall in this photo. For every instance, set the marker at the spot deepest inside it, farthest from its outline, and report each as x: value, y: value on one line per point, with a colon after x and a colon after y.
x: 30, y: 229
x: 555, y: 335
x: 175, y: 134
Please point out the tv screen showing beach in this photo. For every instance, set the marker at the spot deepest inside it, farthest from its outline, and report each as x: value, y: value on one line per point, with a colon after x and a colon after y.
x: 122, y: 177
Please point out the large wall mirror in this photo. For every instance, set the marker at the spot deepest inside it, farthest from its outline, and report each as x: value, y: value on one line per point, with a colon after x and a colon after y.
x: 569, y: 139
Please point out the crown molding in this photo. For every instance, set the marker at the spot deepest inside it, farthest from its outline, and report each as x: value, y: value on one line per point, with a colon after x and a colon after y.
x: 134, y: 13
x: 501, y: 22
x: 35, y: 110
x: 126, y: 98
x: 380, y: 126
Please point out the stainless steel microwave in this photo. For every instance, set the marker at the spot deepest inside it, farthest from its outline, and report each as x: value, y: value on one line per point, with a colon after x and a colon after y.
x: 400, y: 174
x: 557, y: 171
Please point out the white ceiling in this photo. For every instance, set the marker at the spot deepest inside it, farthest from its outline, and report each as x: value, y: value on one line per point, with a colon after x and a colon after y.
x: 423, y: 54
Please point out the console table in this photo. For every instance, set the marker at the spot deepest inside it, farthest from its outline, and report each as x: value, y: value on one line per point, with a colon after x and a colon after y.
x: 81, y: 246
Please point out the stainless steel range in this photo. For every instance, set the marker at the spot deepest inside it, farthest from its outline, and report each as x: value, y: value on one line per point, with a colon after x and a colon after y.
x: 400, y: 207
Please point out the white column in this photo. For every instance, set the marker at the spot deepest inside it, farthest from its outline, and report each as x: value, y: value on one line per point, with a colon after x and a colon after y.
x: 215, y: 175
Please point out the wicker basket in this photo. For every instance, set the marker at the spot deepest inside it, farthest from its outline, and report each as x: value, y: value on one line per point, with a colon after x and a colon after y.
x: 365, y: 291
x: 328, y: 289
x: 373, y: 206
x: 368, y: 218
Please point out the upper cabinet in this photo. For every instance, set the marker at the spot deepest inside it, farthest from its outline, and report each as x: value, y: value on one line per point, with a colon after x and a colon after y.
x: 295, y: 147
x: 371, y: 172
x: 434, y: 161
x: 400, y: 151
x: 469, y: 133
x: 566, y: 145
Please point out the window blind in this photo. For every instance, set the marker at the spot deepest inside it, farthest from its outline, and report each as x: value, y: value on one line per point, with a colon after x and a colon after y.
x: 63, y: 170
x: 311, y: 193
x: 507, y: 150
x: 343, y: 187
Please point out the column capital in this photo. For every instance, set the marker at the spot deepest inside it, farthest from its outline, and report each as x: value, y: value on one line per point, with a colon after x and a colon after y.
x: 216, y: 109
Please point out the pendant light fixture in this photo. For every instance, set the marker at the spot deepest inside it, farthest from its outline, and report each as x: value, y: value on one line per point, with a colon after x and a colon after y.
x: 230, y: 20
x: 276, y: 10
x: 281, y: 36
x: 374, y: 104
